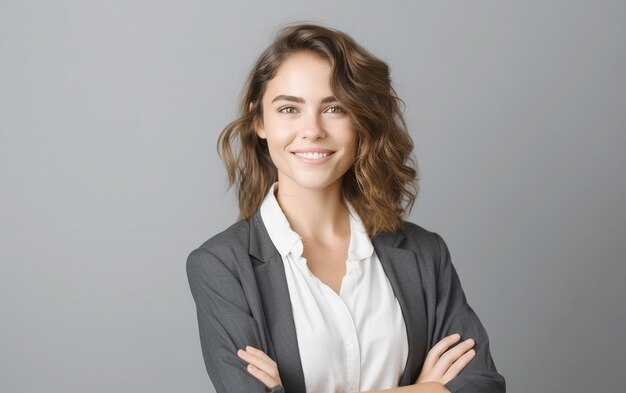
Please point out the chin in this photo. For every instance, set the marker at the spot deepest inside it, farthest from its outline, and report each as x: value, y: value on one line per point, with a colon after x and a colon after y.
x: 313, y: 182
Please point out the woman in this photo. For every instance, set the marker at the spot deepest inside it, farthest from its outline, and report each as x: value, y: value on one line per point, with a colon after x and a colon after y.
x: 321, y: 286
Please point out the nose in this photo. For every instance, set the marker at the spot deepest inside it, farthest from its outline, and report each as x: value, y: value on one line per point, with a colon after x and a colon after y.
x: 312, y: 127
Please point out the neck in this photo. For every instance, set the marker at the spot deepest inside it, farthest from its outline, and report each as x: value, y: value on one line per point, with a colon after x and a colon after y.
x: 318, y: 215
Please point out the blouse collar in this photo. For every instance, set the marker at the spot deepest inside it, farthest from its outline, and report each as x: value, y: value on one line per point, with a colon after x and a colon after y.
x: 287, y: 240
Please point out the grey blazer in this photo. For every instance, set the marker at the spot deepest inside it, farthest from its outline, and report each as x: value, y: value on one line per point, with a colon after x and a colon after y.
x: 238, y: 283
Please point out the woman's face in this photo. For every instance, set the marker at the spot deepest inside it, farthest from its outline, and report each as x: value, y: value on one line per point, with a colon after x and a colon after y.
x: 301, y: 115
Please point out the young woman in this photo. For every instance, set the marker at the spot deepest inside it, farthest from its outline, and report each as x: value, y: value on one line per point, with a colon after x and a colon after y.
x: 321, y: 285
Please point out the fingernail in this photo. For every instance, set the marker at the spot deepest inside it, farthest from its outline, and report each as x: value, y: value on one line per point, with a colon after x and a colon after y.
x: 248, y: 347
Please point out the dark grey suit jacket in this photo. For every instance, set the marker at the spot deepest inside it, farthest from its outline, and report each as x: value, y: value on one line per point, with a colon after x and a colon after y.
x: 238, y: 282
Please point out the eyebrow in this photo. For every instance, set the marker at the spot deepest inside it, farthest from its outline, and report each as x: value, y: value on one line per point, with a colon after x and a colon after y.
x: 301, y: 100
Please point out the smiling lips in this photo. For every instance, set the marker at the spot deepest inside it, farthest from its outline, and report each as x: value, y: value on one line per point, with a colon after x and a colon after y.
x: 313, y: 156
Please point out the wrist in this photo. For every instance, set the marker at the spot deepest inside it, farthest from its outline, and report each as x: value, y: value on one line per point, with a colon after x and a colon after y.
x: 431, y: 387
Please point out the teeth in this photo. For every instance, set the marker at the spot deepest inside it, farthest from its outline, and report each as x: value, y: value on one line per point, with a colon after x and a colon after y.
x: 312, y: 156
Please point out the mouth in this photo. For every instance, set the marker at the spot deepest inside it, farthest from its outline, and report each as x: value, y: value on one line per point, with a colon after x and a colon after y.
x: 313, y: 157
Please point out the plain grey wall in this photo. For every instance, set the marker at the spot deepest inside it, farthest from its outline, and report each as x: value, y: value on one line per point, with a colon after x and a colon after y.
x: 109, y: 116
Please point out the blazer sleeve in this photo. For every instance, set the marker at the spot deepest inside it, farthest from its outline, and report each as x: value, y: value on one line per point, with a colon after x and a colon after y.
x: 225, y: 324
x: 454, y: 315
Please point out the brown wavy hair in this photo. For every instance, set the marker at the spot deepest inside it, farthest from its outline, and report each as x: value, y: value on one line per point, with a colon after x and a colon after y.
x: 382, y: 184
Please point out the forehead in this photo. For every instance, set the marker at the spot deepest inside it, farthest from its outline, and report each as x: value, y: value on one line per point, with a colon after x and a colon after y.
x: 304, y: 74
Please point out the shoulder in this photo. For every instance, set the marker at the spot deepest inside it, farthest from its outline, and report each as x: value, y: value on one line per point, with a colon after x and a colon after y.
x: 221, y: 250
x: 422, y: 240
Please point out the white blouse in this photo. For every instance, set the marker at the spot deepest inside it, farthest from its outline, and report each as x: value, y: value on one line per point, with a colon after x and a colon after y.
x: 351, y: 342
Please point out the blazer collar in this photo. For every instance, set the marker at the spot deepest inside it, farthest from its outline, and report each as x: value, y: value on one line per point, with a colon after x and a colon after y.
x: 402, y: 269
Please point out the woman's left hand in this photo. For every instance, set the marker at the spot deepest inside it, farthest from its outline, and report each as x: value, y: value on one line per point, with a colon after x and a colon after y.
x: 261, y: 366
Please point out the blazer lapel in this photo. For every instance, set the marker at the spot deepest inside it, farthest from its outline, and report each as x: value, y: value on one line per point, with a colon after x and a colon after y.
x: 402, y: 269
x: 400, y: 266
x: 272, y: 284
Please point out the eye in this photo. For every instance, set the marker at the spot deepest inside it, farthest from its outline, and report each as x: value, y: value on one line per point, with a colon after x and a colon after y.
x: 282, y: 110
x: 335, y: 109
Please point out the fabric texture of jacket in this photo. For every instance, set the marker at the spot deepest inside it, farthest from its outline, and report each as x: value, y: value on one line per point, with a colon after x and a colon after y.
x: 238, y: 283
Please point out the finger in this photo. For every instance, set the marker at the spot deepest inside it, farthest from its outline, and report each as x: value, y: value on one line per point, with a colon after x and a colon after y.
x: 260, y: 360
x: 261, y: 376
x: 438, y: 349
x: 446, y: 360
x: 259, y: 353
x: 453, y: 354
x: 265, y: 362
x: 456, y: 367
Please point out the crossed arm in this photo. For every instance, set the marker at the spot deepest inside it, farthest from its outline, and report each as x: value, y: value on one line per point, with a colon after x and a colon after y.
x: 437, y: 369
x: 217, y: 292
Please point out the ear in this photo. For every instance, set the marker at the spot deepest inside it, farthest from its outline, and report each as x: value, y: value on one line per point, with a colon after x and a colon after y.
x: 258, y: 125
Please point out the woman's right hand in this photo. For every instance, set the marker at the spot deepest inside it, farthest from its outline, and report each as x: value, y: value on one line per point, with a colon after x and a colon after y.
x: 442, y: 367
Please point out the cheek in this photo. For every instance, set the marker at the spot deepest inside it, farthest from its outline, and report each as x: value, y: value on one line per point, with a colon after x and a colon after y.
x: 350, y: 140
x: 278, y: 139
x: 273, y: 128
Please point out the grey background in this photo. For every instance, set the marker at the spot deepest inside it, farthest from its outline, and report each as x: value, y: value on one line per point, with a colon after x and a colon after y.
x: 109, y: 116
